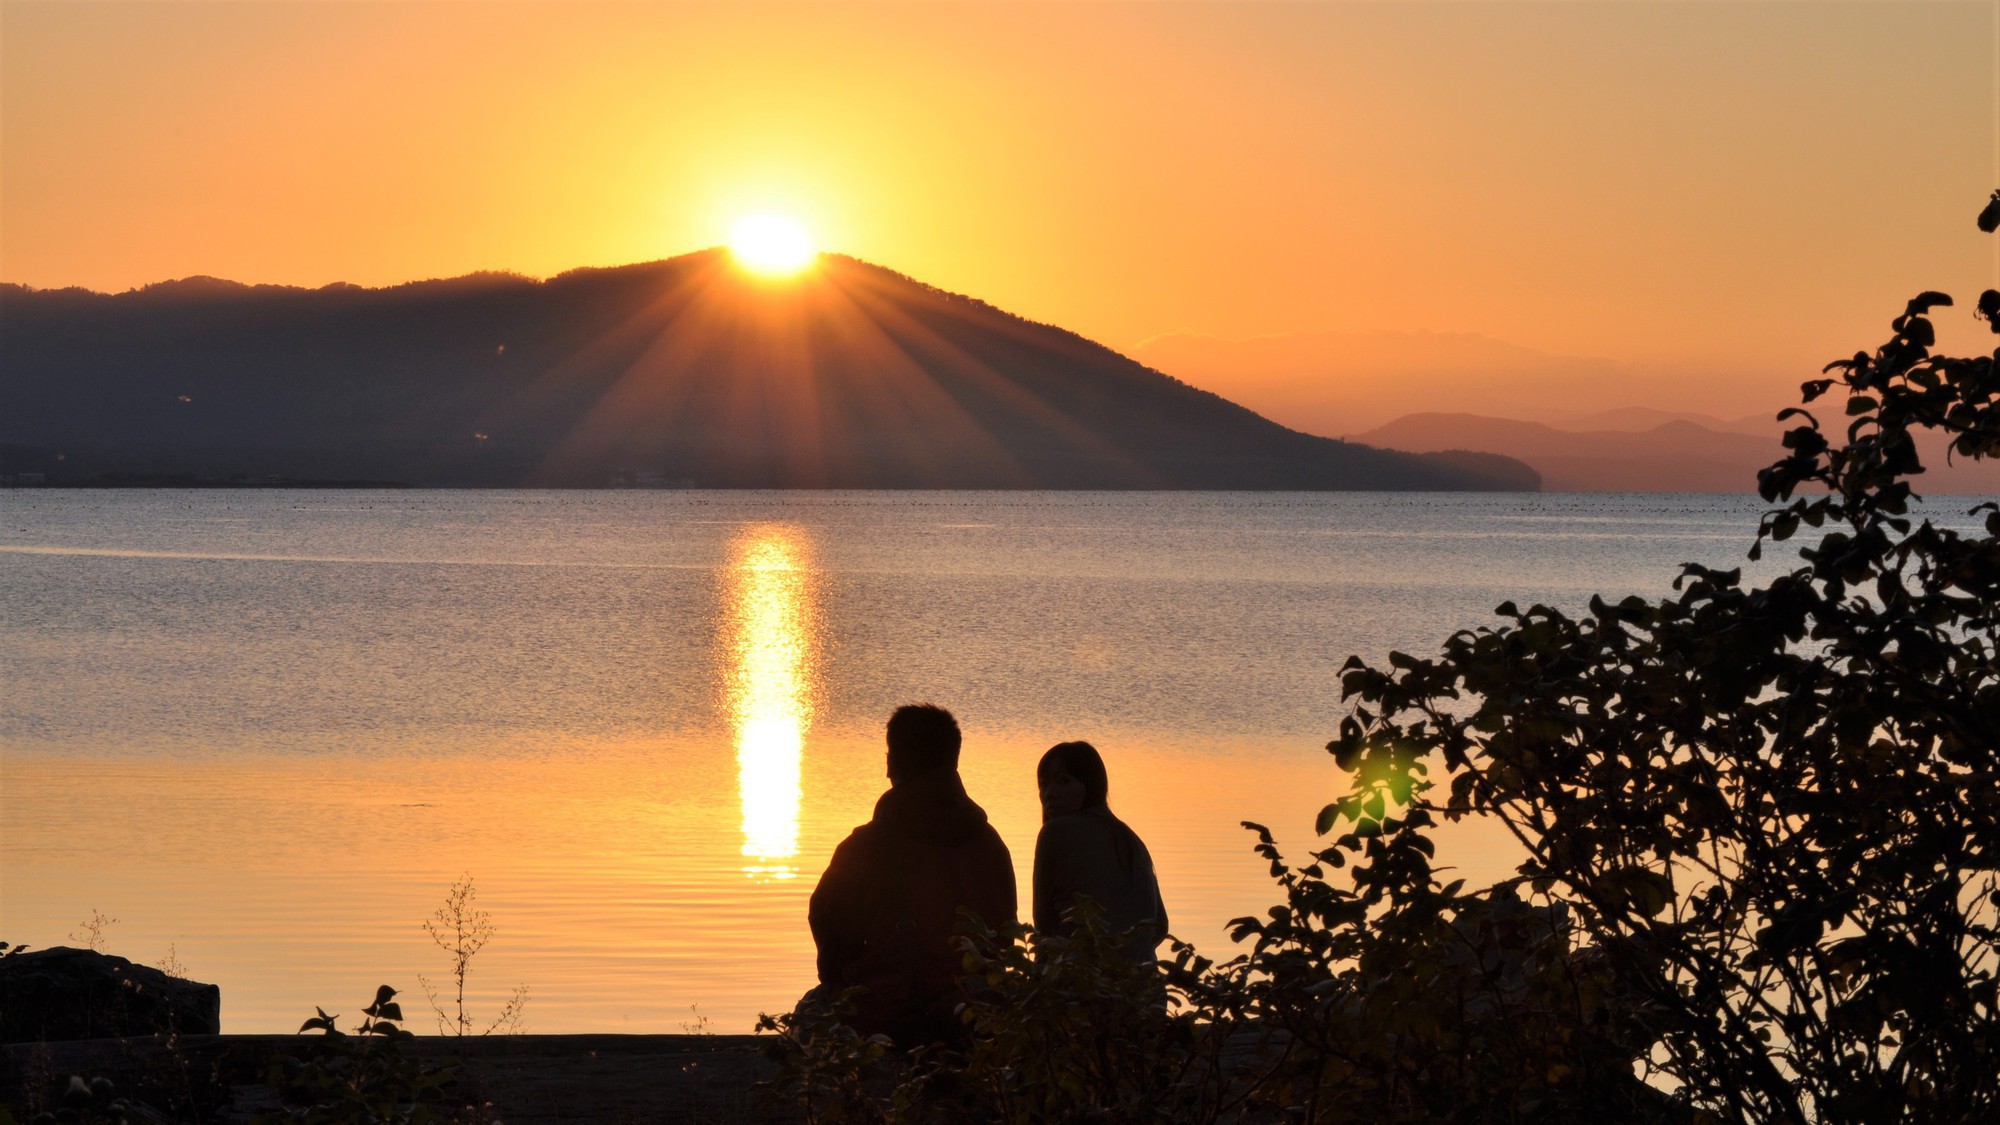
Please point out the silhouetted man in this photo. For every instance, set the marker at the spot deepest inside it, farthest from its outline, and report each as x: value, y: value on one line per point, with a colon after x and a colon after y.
x: 884, y: 913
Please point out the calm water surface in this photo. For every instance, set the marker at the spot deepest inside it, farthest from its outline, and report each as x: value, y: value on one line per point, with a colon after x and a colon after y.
x: 266, y: 730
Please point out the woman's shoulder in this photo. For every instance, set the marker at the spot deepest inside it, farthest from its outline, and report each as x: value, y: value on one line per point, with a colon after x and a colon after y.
x: 1088, y: 827
x: 1068, y: 826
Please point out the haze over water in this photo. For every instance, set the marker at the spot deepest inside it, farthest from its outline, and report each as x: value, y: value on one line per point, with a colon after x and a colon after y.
x: 269, y: 728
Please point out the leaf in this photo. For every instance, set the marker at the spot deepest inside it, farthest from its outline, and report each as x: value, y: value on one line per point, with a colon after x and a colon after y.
x: 1925, y: 302
x: 1346, y: 749
x: 1989, y: 219
x: 1646, y: 891
x: 78, y: 1095
x: 1328, y: 817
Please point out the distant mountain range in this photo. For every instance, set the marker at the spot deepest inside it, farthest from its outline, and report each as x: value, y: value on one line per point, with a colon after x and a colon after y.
x: 1568, y: 417
x: 681, y: 372
x: 1636, y: 419
x: 1642, y: 450
x: 1675, y: 456
x: 1344, y: 383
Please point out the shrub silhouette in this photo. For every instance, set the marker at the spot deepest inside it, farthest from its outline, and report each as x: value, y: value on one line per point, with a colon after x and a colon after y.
x: 1057, y: 1028
x: 365, y: 1076
x: 1772, y: 814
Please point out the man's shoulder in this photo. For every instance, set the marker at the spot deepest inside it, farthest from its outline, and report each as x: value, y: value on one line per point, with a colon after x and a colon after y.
x: 988, y: 838
x: 861, y: 838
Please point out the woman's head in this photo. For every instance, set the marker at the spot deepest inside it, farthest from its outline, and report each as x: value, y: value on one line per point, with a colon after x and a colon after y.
x: 1071, y: 777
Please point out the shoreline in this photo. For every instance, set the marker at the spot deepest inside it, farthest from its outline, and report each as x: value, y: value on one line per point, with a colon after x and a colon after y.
x: 615, y: 1079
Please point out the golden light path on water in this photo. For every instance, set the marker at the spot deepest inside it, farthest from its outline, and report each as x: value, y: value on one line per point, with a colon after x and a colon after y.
x: 770, y: 638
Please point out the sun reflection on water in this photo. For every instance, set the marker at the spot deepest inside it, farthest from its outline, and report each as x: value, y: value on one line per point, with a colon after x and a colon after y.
x: 770, y: 636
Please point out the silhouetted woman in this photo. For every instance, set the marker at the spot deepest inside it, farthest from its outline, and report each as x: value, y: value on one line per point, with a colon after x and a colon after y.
x: 1085, y: 852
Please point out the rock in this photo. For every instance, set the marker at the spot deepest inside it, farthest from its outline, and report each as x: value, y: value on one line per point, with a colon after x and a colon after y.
x: 63, y: 993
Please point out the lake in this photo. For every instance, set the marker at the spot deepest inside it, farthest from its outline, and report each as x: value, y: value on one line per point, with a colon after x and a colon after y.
x: 266, y: 730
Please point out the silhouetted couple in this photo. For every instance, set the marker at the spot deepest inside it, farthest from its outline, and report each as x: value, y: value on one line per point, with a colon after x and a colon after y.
x: 885, y: 912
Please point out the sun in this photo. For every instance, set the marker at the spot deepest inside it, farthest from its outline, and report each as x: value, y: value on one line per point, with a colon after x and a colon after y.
x: 772, y: 245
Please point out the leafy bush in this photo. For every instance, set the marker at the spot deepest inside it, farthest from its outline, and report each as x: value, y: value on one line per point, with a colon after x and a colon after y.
x: 1055, y: 1028
x: 1772, y: 813
x: 365, y: 1076
x: 86, y: 1102
x: 1457, y: 1007
x: 1058, y: 1025
x: 829, y: 1070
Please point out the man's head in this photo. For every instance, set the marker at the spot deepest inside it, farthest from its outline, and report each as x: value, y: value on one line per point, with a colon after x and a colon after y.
x: 923, y: 739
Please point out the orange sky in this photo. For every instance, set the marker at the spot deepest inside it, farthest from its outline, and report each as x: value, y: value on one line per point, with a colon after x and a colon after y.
x: 1702, y: 193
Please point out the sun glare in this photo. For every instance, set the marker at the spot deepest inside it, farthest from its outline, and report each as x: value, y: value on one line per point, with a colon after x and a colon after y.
x: 772, y: 245
x: 770, y: 691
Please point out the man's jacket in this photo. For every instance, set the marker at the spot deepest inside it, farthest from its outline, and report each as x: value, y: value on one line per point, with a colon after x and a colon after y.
x: 885, y: 912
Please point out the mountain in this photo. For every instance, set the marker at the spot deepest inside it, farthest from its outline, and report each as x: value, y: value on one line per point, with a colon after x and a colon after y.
x: 1676, y: 456
x: 1343, y: 383
x: 1673, y: 456
x: 683, y: 371
x: 1638, y: 419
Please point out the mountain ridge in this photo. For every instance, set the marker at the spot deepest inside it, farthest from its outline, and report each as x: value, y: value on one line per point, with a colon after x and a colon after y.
x: 1675, y: 455
x: 683, y: 369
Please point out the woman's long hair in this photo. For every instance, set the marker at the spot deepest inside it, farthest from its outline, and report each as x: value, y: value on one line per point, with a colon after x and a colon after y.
x: 1081, y: 760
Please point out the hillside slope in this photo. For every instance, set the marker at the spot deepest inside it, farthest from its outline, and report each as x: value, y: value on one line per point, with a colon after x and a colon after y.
x: 684, y: 371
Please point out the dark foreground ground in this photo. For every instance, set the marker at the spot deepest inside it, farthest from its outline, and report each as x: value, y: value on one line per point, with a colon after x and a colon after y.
x: 518, y: 1079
